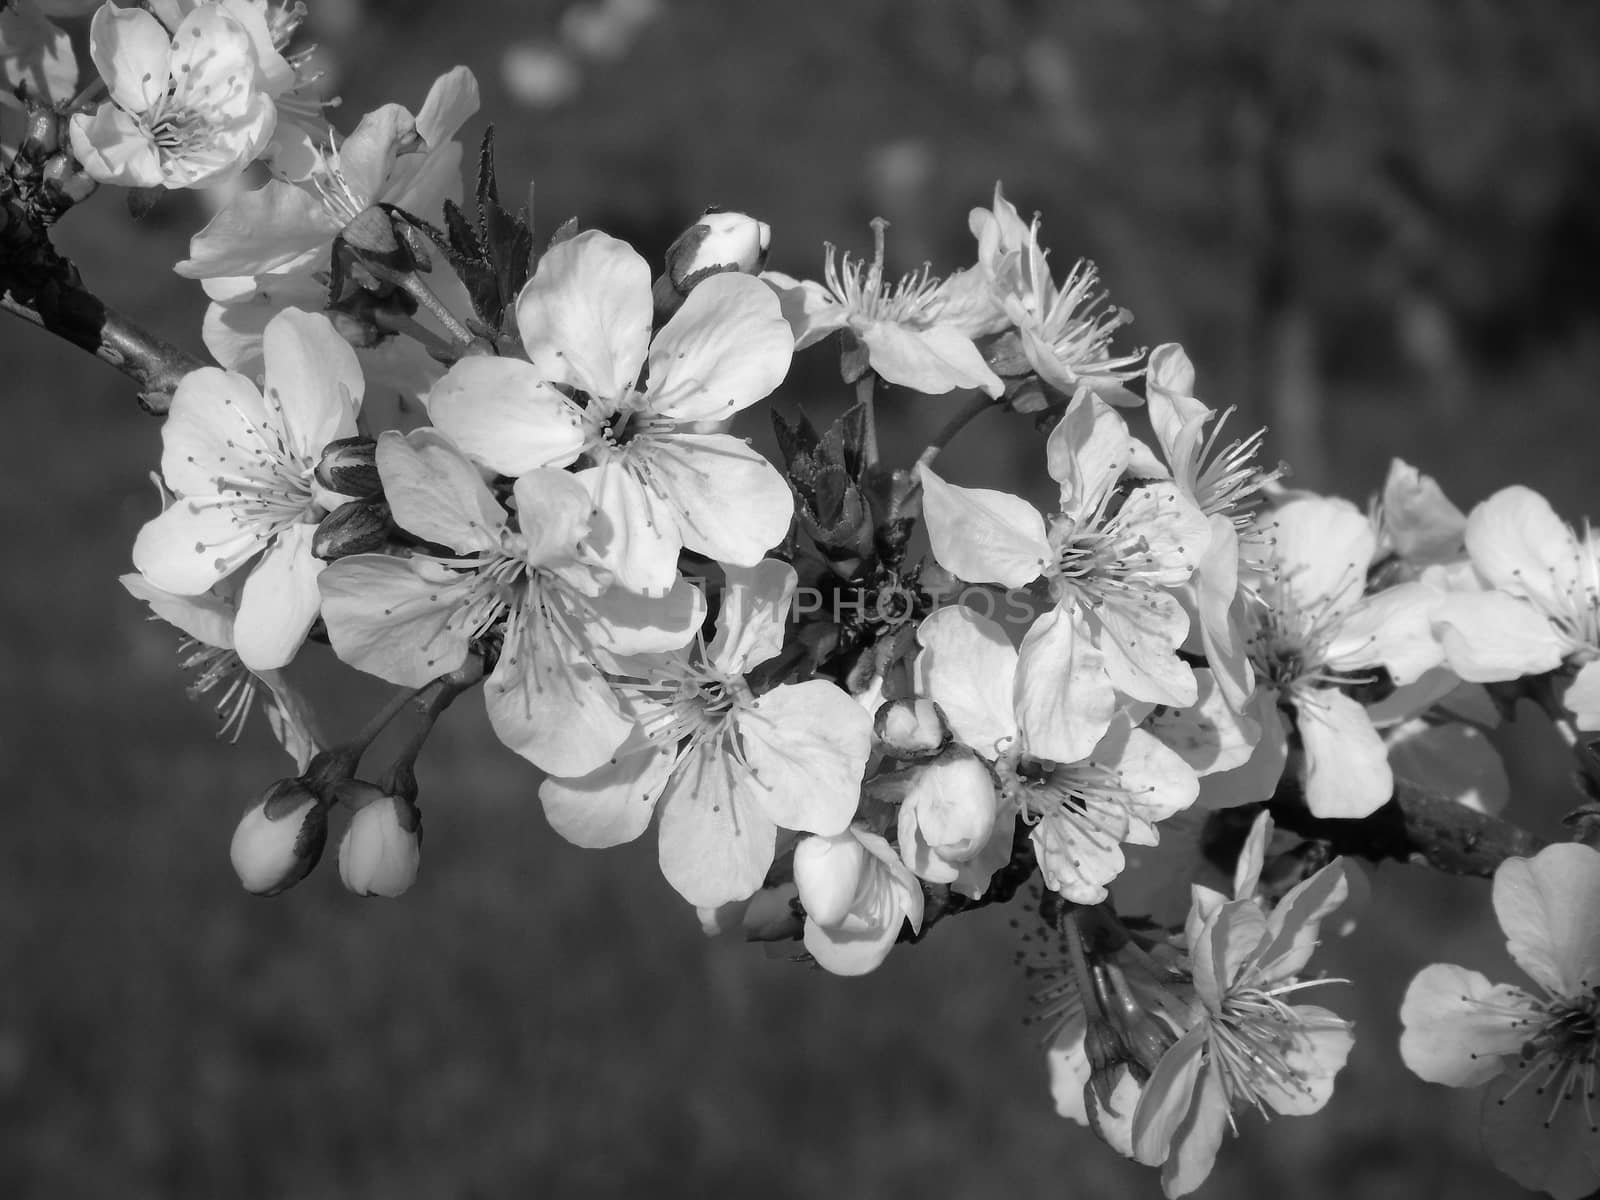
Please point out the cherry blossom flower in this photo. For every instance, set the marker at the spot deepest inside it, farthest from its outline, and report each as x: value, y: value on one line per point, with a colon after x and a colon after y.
x: 585, y: 318
x: 1082, y: 809
x: 185, y: 108
x: 241, y: 465
x: 1539, y: 606
x: 857, y: 895
x: 917, y: 332
x: 1111, y: 559
x: 1313, y: 635
x: 1064, y: 333
x: 412, y: 163
x: 410, y: 620
x: 726, y: 768
x: 1246, y: 1045
x: 1537, y: 1052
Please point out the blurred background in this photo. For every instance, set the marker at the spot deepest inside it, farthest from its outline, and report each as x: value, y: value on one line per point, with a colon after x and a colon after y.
x: 1373, y: 225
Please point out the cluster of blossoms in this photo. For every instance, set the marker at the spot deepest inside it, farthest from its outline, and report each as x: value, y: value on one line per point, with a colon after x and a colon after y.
x: 460, y: 458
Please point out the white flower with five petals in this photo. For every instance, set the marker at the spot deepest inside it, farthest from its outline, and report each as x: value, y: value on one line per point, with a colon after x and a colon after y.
x: 241, y: 464
x: 585, y: 319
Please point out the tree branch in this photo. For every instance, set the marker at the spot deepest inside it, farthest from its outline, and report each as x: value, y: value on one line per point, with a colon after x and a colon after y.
x: 42, y: 287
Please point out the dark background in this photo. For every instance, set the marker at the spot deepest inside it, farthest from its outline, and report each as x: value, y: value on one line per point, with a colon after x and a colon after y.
x: 1372, y: 224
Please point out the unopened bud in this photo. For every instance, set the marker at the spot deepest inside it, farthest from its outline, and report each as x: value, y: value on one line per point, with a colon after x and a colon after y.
x: 382, y: 848
x: 827, y: 872
x: 279, y: 839
x: 349, y: 466
x: 42, y: 137
x: 947, y: 815
x: 358, y: 527
x: 911, y: 728
x: 718, y: 242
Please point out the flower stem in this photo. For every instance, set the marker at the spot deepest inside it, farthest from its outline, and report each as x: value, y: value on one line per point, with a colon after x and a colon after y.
x: 869, y: 445
x: 401, y: 779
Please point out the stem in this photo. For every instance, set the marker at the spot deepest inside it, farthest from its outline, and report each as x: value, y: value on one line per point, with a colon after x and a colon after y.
x: 417, y: 288
x: 401, y: 779
x: 380, y: 720
x: 982, y: 402
x: 869, y: 445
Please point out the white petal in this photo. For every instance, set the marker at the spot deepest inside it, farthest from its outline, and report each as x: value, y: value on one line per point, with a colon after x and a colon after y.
x: 548, y: 702
x: 206, y: 617
x: 1258, y: 778
x: 716, y: 842
x: 1168, y: 1096
x: 133, y: 53
x: 1392, y: 628
x: 435, y: 493
x: 1547, y: 905
x: 260, y: 231
x: 729, y: 502
x: 809, y: 308
x: 1293, y: 923
x: 1195, y: 1146
x: 851, y: 950
x: 1214, y: 587
x: 1139, y: 642
x: 624, y: 622
x: 933, y: 361
x: 1064, y: 700
x: 210, y: 432
x: 1519, y: 545
x: 1316, y: 1055
x: 1492, y: 636
x: 313, y: 381
x: 189, y: 548
x: 1459, y: 1027
x: 807, y: 744
x: 1347, y: 764
x: 391, y: 617
x: 1321, y: 549
x: 1209, y: 735
x: 114, y: 148
x: 554, y: 515
x: 968, y: 667
x: 1087, y: 452
x: 755, y: 609
x: 726, y: 348
x: 503, y: 414
x: 983, y: 536
x: 635, y: 531
x: 450, y: 104
x: 612, y: 805
x: 279, y: 601
x: 585, y: 315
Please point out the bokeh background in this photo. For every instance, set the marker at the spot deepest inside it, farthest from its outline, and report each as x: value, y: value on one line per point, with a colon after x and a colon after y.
x: 1372, y: 223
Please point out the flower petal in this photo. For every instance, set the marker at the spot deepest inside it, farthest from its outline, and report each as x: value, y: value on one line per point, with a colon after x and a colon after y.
x: 1392, y: 628
x: 1168, y: 1096
x: 1491, y: 636
x: 983, y: 536
x: 1582, y: 697
x: 394, y: 617
x: 933, y: 361
x: 1459, y: 1027
x: 729, y: 502
x: 807, y: 745
x: 260, y: 231
x: 1195, y: 1146
x: 755, y: 609
x: 503, y: 414
x: 1315, y: 1055
x: 1321, y: 548
x: 1347, y: 764
x: 313, y: 381
x: 716, y: 841
x: 623, y: 622
x: 968, y: 668
x: 436, y: 494
x: 726, y: 348
x: 1521, y: 546
x: 1547, y: 905
x: 211, y: 433
x: 192, y: 545
x: 114, y: 148
x: 1087, y: 452
x: 206, y: 617
x: 585, y: 316
x: 279, y: 601
x: 1209, y: 735
x: 1064, y: 699
x: 133, y: 52
x: 612, y: 805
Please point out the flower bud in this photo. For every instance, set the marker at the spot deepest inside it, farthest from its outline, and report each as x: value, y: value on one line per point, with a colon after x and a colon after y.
x: 349, y: 466
x: 382, y: 848
x: 911, y: 728
x: 947, y: 815
x: 280, y: 839
x: 827, y: 872
x: 718, y: 242
x: 357, y: 527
